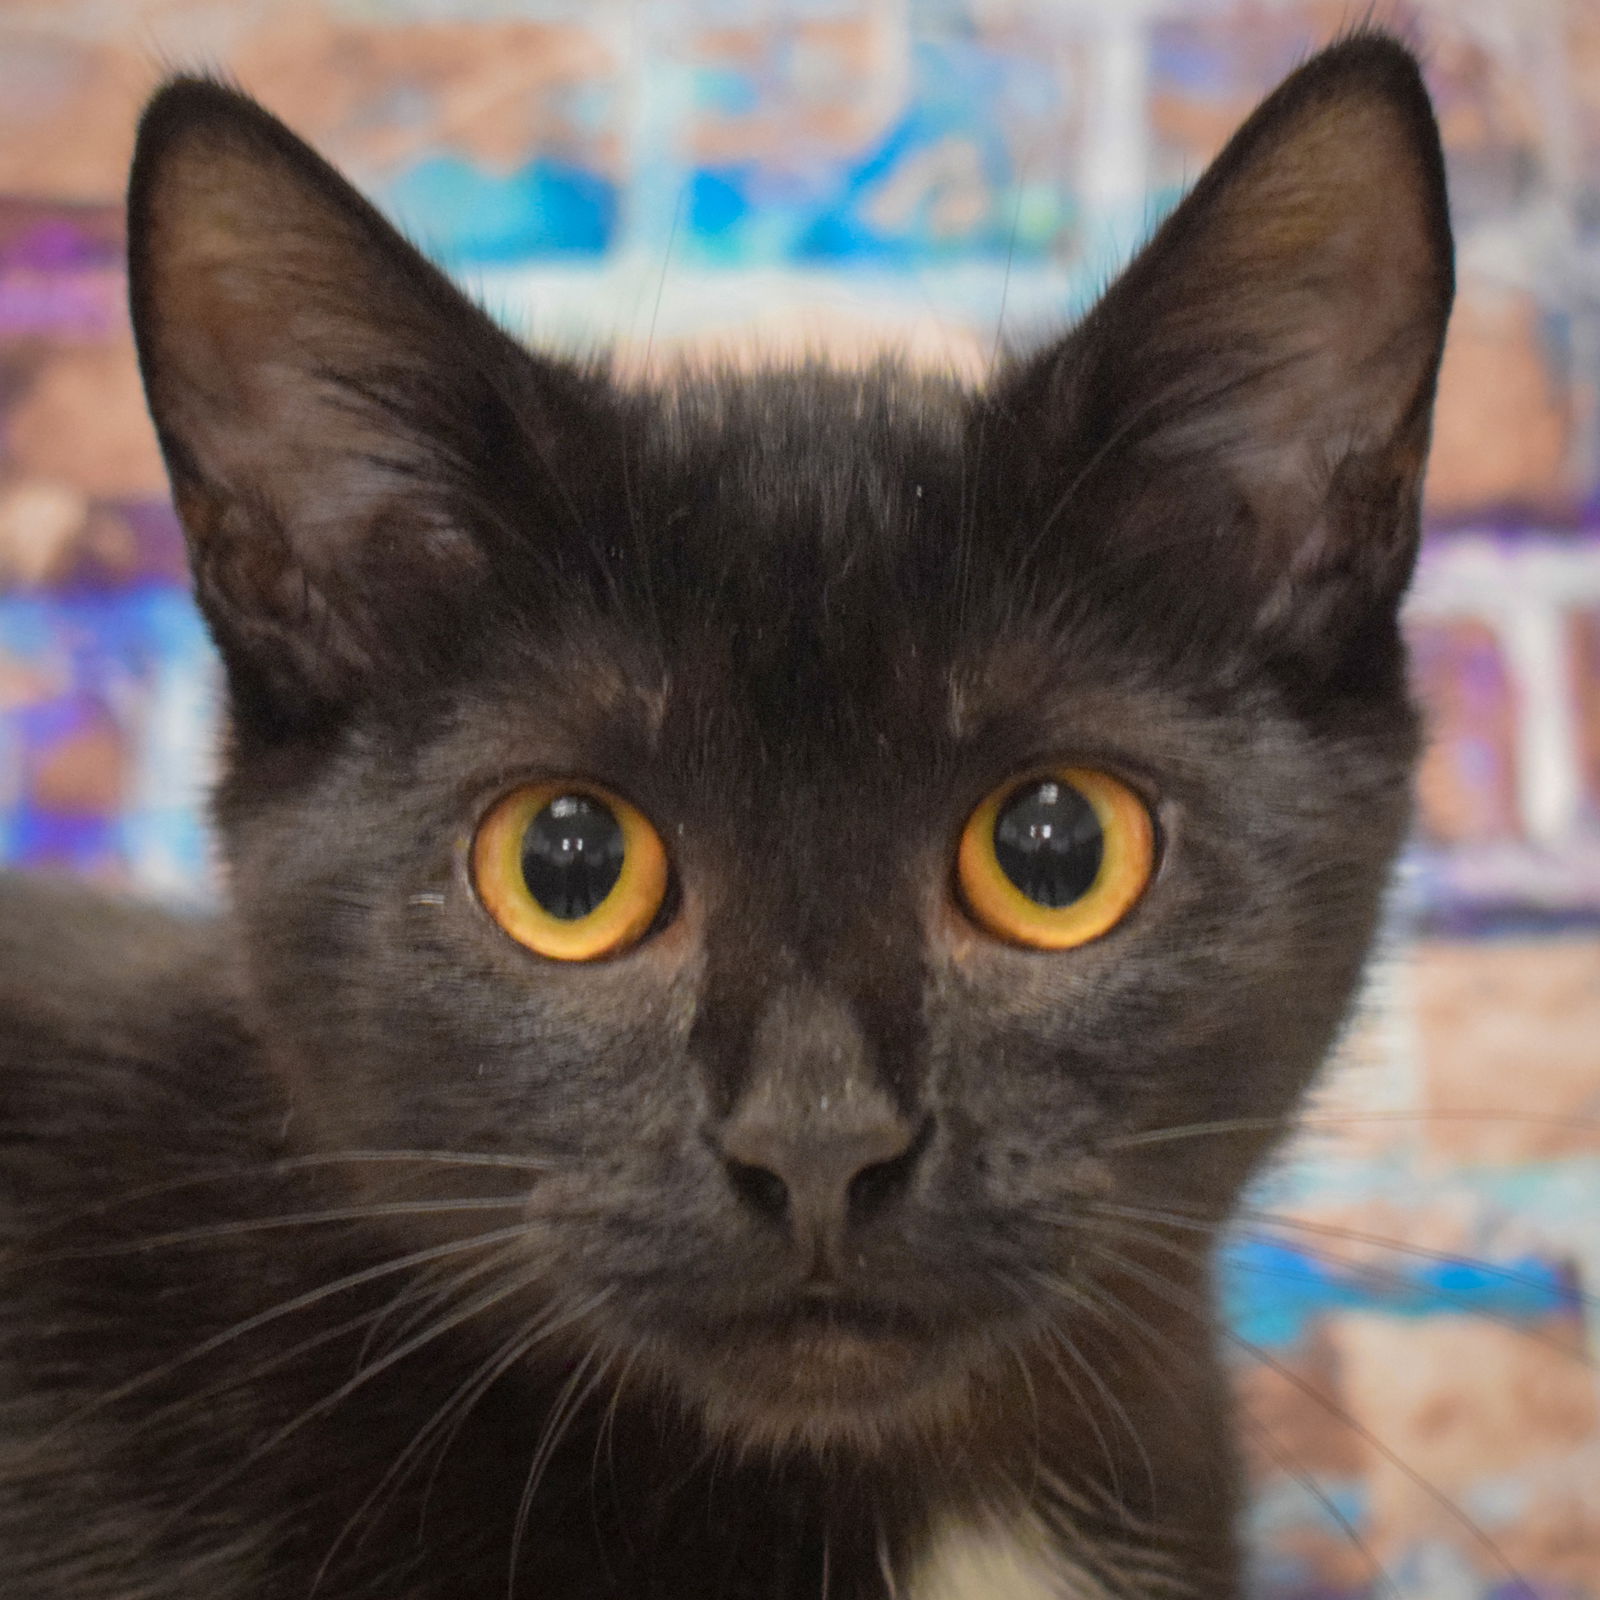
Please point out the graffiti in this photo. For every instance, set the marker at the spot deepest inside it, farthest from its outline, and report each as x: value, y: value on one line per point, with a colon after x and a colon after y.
x: 1411, y: 1292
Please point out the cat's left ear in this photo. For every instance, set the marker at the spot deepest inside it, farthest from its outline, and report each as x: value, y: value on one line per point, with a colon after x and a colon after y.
x: 1250, y: 402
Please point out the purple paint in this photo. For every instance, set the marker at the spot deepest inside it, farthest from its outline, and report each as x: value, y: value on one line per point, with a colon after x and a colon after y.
x: 35, y: 303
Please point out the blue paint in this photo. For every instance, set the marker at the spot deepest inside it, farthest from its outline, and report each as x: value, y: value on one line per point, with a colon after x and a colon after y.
x: 1272, y: 1291
x: 840, y: 214
x: 105, y: 656
x: 84, y: 844
x: 726, y: 91
x: 719, y: 206
x: 953, y: 87
x: 464, y: 215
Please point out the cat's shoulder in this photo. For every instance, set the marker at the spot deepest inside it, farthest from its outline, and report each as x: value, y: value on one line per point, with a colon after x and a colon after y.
x: 84, y: 971
x: 117, y: 1020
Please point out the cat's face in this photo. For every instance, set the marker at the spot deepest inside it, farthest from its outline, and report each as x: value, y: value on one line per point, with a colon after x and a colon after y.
x: 817, y: 1144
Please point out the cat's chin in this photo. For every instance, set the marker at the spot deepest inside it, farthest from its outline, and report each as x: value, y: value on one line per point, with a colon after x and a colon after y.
x: 823, y: 1388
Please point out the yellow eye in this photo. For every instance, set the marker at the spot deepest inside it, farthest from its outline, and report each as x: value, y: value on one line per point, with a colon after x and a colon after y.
x: 570, y: 871
x: 1056, y: 860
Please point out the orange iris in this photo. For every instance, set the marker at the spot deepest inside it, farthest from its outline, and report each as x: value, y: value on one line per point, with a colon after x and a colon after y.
x: 569, y: 870
x: 1057, y: 859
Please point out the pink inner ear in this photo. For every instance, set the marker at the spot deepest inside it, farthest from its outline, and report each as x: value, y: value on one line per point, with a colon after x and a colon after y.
x: 1312, y: 280
x: 256, y: 282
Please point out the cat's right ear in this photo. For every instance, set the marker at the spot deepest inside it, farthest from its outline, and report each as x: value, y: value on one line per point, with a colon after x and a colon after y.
x: 345, y: 433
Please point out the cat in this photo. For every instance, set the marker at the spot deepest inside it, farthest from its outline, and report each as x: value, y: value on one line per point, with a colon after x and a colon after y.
x: 728, y: 883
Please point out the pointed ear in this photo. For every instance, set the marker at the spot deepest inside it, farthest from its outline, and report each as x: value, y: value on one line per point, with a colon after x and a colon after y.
x: 346, y: 435
x: 1260, y: 380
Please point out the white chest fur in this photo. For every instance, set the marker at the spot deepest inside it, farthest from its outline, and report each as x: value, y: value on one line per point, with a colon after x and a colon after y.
x: 1003, y: 1559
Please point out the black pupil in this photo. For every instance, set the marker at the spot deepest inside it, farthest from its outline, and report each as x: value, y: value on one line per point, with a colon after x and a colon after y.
x: 1049, y: 843
x: 572, y: 856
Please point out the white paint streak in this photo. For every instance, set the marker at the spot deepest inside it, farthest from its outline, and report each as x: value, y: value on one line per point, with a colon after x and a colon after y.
x: 1525, y: 592
x: 1114, y: 178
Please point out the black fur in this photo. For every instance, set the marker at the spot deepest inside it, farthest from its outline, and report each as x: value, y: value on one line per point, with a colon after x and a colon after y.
x: 804, y: 621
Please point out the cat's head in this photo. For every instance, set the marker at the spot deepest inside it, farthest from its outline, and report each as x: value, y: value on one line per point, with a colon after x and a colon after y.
x: 830, y: 824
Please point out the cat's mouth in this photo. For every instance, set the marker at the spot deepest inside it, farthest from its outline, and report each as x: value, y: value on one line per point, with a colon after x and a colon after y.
x: 833, y: 1315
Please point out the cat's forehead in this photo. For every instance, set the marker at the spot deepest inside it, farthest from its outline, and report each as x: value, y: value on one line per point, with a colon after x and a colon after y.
x: 817, y: 407
x: 807, y: 575
x: 788, y: 686
x: 830, y: 460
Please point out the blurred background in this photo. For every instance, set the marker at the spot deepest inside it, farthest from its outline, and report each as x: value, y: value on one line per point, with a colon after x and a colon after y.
x: 1412, y: 1293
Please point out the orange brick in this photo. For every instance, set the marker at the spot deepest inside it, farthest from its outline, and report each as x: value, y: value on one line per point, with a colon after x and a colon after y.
x: 1466, y: 789
x: 1503, y: 426
x: 1510, y: 1026
x: 85, y: 774
x: 1454, y: 1404
x: 67, y: 113
x: 1286, y: 1430
x: 83, y: 424
x: 1584, y: 643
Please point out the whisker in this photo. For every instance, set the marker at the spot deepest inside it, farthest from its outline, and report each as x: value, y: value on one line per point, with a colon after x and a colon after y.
x: 363, y: 1376
x: 466, y: 1395
x: 431, y: 1291
x: 1114, y: 1316
x: 1292, y: 1224
x: 1125, y: 1571
x: 891, y: 1586
x: 248, y: 1225
x: 1185, y: 1303
x: 1075, y: 1497
x: 325, y: 1336
x: 1364, y: 1433
x: 1116, y: 1409
x: 1341, y: 1119
x: 421, y: 1297
x: 1037, y: 1425
x: 1146, y: 1544
x: 1117, y: 1316
x: 196, y: 1399
x: 993, y: 365
x: 513, y: 1356
x: 1398, y: 1283
x: 1337, y: 1231
x: 288, y: 1165
x: 661, y: 286
x: 261, y: 1319
x: 605, y: 1436
x: 1293, y: 1469
x: 1160, y: 1344
x: 443, y: 1289
x: 541, y: 1331
x: 574, y: 1393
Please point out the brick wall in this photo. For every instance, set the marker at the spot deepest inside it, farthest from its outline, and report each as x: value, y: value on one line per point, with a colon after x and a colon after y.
x: 1412, y: 1293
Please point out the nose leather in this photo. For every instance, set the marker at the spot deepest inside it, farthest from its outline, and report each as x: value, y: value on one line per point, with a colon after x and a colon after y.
x: 815, y: 1139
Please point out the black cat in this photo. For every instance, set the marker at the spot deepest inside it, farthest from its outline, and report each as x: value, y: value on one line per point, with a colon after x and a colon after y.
x: 729, y: 885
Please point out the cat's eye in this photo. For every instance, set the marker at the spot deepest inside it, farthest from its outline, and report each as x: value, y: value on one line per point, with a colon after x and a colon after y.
x: 572, y: 872
x: 1056, y: 860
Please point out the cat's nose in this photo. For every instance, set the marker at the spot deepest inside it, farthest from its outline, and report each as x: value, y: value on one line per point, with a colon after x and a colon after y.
x: 815, y: 1142
x: 834, y: 1171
